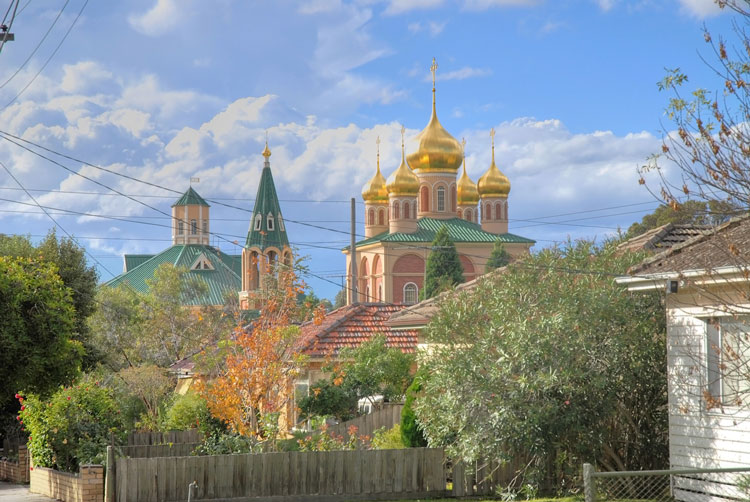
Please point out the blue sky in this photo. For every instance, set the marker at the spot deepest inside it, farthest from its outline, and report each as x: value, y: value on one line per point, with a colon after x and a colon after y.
x: 165, y: 90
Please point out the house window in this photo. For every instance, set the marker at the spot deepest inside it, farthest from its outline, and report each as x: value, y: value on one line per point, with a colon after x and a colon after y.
x: 395, y: 210
x: 371, y: 217
x: 205, y: 226
x: 193, y: 227
x: 441, y: 199
x: 180, y: 227
x: 269, y: 222
x: 728, y: 350
x: 381, y: 217
x: 498, y: 212
x: 258, y: 220
x: 487, y: 215
x: 410, y: 293
x: 406, y: 210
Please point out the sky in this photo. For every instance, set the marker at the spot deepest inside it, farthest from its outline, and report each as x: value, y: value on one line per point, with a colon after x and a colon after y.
x: 160, y: 91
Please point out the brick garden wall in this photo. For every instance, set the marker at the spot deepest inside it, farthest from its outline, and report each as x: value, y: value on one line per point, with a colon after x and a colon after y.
x: 86, y: 486
x: 16, y: 472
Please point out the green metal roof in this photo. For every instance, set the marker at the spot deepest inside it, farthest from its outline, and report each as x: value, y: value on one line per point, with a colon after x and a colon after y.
x: 458, y: 229
x: 191, y: 198
x: 133, y: 260
x: 260, y: 234
x: 223, y: 279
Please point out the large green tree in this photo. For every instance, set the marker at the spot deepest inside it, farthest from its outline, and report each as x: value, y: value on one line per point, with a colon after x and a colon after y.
x: 551, y: 363
x: 75, y: 273
x: 443, y: 269
x: 38, y: 351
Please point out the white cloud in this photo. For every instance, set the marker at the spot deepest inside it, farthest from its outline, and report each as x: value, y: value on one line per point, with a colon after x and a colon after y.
x: 606, y: 5
x: 700, y: 8
x: 83, y: 77
x: 460, y: 74
x: 401, y: 6
x: 163, y: 17
x: 432, y: 27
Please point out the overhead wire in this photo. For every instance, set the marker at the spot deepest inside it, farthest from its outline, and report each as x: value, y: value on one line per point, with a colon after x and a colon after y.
x: 6, y: 32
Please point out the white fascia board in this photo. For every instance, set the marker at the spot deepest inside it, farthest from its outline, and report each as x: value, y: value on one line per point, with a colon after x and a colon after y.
x: 720, y: 275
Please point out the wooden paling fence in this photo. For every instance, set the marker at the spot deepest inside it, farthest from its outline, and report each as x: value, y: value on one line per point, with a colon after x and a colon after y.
x: 386, y: 415
x: 153, y: 438
x: 290, y: 476
x: 158, y: 450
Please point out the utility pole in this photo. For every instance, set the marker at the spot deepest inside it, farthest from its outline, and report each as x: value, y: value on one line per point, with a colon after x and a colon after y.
x: 5, y: 34
x: 353, y: 253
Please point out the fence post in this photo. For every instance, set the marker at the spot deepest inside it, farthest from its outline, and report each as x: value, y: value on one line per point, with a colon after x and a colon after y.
x: 589, y: 486
x: 109, y: 476
x: 459, y: 479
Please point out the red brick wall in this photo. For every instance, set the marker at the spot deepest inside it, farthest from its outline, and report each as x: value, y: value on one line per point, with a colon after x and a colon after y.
x: 409, y: 263
x: 469, y: 271
x: 400, y: 281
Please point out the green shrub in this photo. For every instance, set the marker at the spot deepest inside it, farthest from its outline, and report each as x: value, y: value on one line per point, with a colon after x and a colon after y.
x: 387, y: 439
x: 224, y: 443
x: 186, y: 412
x: 411, y: 433
x: 73, y: 427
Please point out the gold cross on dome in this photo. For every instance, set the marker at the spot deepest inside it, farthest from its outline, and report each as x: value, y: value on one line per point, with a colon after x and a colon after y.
x: 463, y: 146
x: 492, y: 135
x: 433, y: 69
x: 403, y: 130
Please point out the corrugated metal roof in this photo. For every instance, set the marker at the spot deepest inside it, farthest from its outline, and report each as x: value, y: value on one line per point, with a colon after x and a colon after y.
x: 267, y: 203
x: 223, y: 279
x: 133, y: 260
x: 190, y: 198
x: 458, y: 229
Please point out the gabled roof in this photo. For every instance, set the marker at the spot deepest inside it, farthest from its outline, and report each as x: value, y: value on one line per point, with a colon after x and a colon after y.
x: 458, y: 229
x: 726, y: 245
x: 267, y: 203
x: 352, y: 325
x: 133, y: 260
x: 223, y: 279
x: 190, y: 198
x: 663, y: 237
x: 418, y: 315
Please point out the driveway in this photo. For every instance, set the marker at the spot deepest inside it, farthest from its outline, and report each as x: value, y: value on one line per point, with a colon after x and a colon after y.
x: 19, y: 493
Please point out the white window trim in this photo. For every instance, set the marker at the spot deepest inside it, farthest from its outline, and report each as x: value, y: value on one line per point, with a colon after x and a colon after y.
x: 416, y: 293
x: 270, y: 222
x: 258, y: 220
x: 438, y: 192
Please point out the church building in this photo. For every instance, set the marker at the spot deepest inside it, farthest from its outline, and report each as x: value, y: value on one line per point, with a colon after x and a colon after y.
x: 404, y: 212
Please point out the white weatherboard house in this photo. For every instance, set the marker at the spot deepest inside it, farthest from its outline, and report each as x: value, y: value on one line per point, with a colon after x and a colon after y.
x: 707, y: 285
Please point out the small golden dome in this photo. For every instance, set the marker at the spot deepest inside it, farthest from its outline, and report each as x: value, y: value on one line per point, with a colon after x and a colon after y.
x: 466, y: 190
x: 493, y: 183
x: 375, y: 190
x: 403, y: 182
x: 266, y: 151
x: 438, y: 150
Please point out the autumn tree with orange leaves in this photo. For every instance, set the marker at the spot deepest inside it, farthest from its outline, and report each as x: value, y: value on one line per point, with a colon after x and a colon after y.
x: 253, y: 384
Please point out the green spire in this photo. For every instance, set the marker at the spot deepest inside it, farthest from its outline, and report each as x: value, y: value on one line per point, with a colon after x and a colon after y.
x: 267, y: 226
x: 190, y: 198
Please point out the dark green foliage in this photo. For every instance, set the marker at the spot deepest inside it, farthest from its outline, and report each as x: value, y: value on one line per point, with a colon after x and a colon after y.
x: 326, y: 398
x: 411, y: 433
x: 443, y: 269
x: 75, y: 273
x: 557, y: 375
x: 499, y: 257
x: 37, y: 326
x: 340, y: 299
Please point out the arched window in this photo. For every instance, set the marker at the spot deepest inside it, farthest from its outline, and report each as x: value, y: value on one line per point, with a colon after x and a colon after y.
x: 410, y: 293
x: 498, y: 211
x: 395, y: 211
x: 487, y: 214
x: 193, y: 227
x: 380, y: 293
x: 258, y: 220
x: 407, y: 213
x: 269, y: 222
x: 205, y: 226
x: 381, y: 217
x: 180, y: 227
x: 424, y: 199
x: 440, y: 199
x: 371, y: 217
x: 467, y: 215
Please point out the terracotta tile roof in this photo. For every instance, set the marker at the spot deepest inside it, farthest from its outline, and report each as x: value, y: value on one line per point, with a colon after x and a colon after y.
x: 726, y: 245
x: 352, y: 325
x: 664, y: 237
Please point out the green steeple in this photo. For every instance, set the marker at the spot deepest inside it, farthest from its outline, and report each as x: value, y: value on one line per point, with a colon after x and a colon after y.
x: 190, y: 198
x: 267, y: 226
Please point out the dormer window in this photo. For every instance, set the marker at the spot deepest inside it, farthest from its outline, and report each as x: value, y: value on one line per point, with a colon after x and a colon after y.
x: 269, y: 222
x: 258, y: 220
x: 202, y: 263
x: 281, y: 224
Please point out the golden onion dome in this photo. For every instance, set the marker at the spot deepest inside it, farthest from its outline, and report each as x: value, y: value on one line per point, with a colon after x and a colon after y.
x: 403, y: 182
x: 466, y: 190
x: 438, y: 151
x: 493, y: 183
x: 375, y: 190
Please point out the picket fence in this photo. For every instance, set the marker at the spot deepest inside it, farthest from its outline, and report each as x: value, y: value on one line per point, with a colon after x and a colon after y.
x: 385, y: 415
x: 285, y: 476
x: 158, y: 438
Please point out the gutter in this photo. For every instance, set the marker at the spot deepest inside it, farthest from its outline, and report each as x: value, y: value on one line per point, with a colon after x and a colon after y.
x: 702, y: 277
